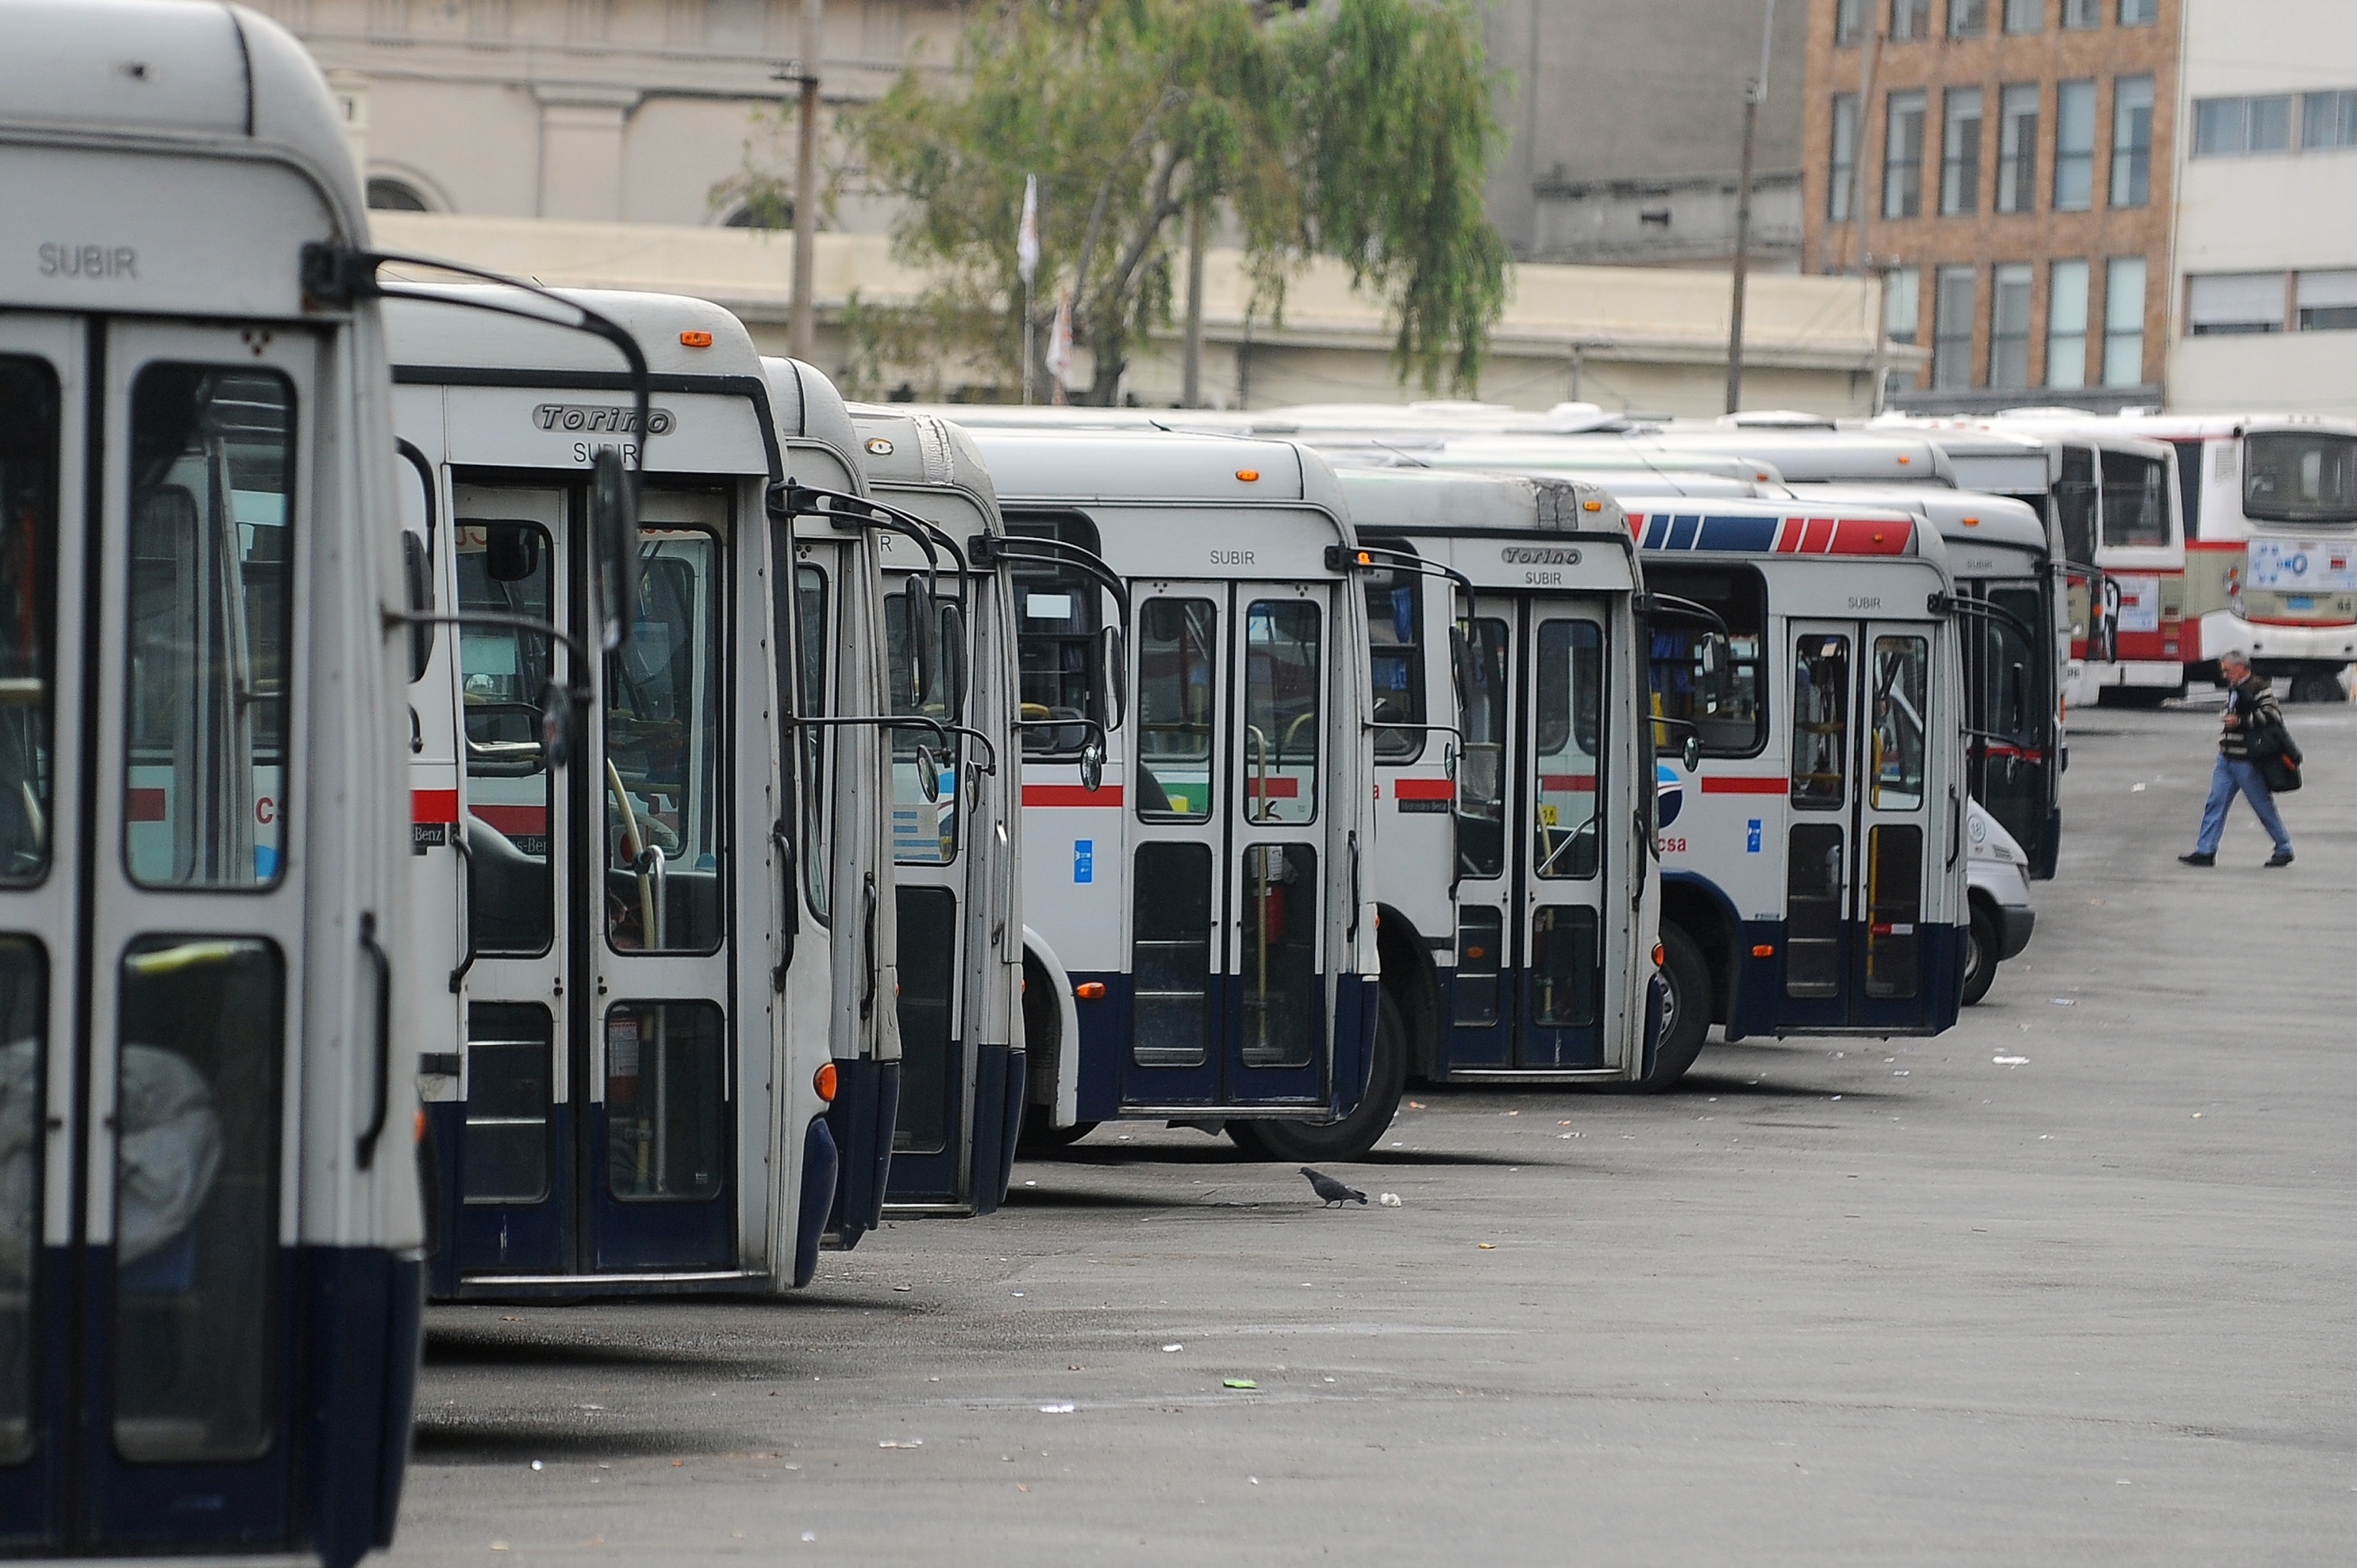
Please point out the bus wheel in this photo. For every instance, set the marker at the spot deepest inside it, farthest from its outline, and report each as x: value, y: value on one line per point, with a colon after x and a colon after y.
x: 1354, y: 1135
x: 1039, y: 1134
x: 1686, y: 1010
x: 1980, y: 955
x: 2316, y: 689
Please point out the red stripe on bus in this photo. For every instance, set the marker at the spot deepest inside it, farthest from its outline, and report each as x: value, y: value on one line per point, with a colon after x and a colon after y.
x: 1739, y: 784
x: 512, y: 819
x: 1853, y: 537
x: 1816, y: 533
x: 2294, y: 620
x: 1279, y: 789
x: 2217, y: 544
x: 144, y: 805
x: 1070, y: 795
x: 1423, y: 790
x: 434, y: 805
x: 1567, y: 781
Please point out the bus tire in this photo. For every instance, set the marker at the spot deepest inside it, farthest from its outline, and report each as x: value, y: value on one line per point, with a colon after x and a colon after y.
x: 2313, y: 688
x: 1353, y: 1136
x: 1686, y: 1010
x: 1981, y: 950
x: 1039, y: 1134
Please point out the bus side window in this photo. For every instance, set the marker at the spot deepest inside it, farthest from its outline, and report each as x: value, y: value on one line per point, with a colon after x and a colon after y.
x: 1481, y: 776
x: 924, y: 833
x: 810, y: 586
x: 1057, y: 617
x: 28, y: 531
x: 1396, y: 657
x: 1178, y: 661
x: 664, y: 742
x: 2074, y: 499
x: 1718, y: 685
x: 506, y: 568
x: 1821, y: 723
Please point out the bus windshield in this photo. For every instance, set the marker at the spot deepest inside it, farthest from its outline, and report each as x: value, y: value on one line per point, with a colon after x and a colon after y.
x: 2135, y: 502
x: 2299, y: 476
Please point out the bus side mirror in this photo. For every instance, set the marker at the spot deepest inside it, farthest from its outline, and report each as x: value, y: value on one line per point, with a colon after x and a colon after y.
x: 417, y: 577
x: 1460, y: 659
x: 1691, y: 754
x: 919, y: 599
x: 954, y: 672
x: 1113, y: 660
x: 929, y: 774
x: 1092, y: 767
x: 557, y: 725
x: 614, y: 534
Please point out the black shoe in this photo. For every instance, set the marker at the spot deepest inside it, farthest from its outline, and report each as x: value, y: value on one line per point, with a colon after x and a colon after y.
x: 2280, y: 858
x: 2197, y: 858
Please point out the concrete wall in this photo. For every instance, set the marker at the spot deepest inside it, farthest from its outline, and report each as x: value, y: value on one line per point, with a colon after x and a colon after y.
x: 2282, y: 212
x: 1611, y: 106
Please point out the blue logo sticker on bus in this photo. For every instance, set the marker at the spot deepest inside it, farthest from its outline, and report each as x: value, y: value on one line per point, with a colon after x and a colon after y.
x: 1084, y: 860
x: 1751, y: 837
x: 1669, y: 793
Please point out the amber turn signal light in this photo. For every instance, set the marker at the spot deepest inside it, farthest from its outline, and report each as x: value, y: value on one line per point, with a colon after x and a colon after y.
x: 822, y: 1081
x: 695, y: 339
x: 1090, y: 990
x: 1765, y: 950
x: 1248, y: 475
x: 1657, y: 955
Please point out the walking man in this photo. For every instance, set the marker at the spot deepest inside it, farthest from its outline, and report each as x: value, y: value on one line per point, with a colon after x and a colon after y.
x: 2249, y: 706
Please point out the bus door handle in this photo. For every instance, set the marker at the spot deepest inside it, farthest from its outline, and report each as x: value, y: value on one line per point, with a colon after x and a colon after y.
x: 1353, y: 934
x: 868, y: 996
x: 460, y: 842
x: 790, y: 917
x: 365, y: 1154
x: 1955, y: 826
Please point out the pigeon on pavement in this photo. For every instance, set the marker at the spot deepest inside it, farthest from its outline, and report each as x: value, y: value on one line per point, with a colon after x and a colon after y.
x: 1332, y: 1191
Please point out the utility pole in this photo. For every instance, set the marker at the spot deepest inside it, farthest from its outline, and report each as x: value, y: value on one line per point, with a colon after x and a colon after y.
x: 803, y: 338
x: 1754, y: 94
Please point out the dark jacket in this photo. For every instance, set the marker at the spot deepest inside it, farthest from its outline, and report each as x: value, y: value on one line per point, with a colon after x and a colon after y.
x: 2255, y: 704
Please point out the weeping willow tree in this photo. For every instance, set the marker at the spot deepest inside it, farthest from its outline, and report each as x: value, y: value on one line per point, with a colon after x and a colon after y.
x: 1360, y: 132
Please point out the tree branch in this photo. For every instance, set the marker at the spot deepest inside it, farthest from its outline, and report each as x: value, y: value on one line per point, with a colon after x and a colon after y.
x: 1138, y: 143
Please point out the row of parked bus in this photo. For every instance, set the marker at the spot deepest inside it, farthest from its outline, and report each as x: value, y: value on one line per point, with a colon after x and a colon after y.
x: 806, y: 803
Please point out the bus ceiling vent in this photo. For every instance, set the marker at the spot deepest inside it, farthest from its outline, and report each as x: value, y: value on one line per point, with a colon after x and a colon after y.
x: 695, y: 339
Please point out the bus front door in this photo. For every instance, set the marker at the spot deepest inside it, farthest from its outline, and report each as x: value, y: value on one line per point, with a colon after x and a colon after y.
x: 1863, y: 829
x: 596, y: 1136
x: 1227, y: 1003
x: 1561, y: 779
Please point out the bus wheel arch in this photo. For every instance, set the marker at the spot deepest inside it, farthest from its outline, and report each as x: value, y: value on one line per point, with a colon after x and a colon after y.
x: 1413, y: 982
x: 1051, y: 1038
x: 1708, y: 930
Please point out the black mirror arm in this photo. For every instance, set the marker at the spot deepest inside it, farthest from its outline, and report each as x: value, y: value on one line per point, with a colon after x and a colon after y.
x: 1670, y: 607
x: 1095, y: 727
x: 844, y: 510
x: 556, y: 634
x: 881, y: 721
x: 1957, y: 605
x: 987, y: 549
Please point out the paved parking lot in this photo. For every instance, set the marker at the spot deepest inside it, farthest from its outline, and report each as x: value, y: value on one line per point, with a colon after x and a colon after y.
x: 2074, y: 1280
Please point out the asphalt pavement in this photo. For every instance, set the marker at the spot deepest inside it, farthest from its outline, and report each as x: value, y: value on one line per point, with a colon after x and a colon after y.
x: 2074, y: 1282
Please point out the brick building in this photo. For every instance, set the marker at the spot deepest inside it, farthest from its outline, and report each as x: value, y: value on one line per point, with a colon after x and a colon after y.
x: 2008, y: 166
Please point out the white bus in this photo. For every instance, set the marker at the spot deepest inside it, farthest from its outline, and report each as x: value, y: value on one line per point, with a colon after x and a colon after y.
x: 210, y: 1230
x: 2268, y: 519
x: 1516, y: 875
x: 1200, y: 945
x: 664, y: 1054
x: 957, y: 845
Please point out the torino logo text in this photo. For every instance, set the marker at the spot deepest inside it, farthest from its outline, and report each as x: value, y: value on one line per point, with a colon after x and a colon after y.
x: 599, y: 420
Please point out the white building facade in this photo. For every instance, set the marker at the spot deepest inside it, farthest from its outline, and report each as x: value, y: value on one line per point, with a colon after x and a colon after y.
x: 2264, y: 298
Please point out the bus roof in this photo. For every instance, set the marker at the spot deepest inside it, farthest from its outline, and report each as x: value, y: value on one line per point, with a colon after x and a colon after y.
x: 427, y: 337
x: 1808, y: 455
x: 805, y: 404
x: 904, y: 446
x: 1962, y: 516
x: 137, y: 69
x: 1416, y: 499
x: 1785, y: 528
x: 1076, y: 465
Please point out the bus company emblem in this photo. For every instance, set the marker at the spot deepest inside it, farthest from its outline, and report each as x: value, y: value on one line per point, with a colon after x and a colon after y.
x: 597, y: 420
x: 1669, y: 793
x: 1523, y: 555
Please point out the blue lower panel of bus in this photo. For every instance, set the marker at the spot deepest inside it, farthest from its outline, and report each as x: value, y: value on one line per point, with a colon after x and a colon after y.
x: 1762, y: 1004
x: 330, y: 1434
x: 937, y: 1173
x: 1496, y: 1038
x: 1223, y: 1076
x: 866, y: 1107
x: 821, y: 1175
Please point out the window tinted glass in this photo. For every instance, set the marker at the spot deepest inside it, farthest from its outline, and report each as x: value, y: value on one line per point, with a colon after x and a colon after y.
x: 1396, y: 649
x: 24, y: 1036
x: 1903, y: 692
x: 1057, y: 612
x: 1567, y: 719
x: 506, y: 568
x: 1177, y: 659
x: 28, y: 533
x: 665, y: 1131
x: 1283, y: 685
x: 810, y: 586
x: 2299, y: 476
x: 664, y: 742
x: 212, y: 457
x: 2135, y: 499
x: 1821, y: 723
x: 1720, y: 687
x: 924, y: 833
x: 1481, y: 772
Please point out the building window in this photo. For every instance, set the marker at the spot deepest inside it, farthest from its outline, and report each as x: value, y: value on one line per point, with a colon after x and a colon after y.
x: 2228, y: 304
x: 2066, y: 324
x: 1952, y: 329
x: 2010, y: 323
x: 2327, y: 302
x: 387, y: 195
x: 2082, y: 13
x: 2074, y: 147
x: 1841, y: 174
x: 1846, y: 21
x: 1960, y: 153
x: 2139, y: 13
x: 2230, y: 127
x: 2327, y: 120
x: 1967, y: 18
x: 2131, y: 141
x: 1902, y: 303
x: 2017, y: 148
x: 2024, y: 16
x: 1910, y: 18
x: 1902, y: 157
x: 2123, y: 321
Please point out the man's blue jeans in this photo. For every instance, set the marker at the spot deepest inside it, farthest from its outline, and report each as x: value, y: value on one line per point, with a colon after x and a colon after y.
x: 2229, y: 776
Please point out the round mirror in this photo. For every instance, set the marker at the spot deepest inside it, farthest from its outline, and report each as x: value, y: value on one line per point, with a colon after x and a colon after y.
x: 1692, y: 755
x: 929, y: 774
x: 1092, y: 767
x: 556, y: 724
